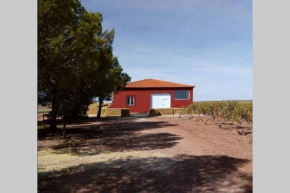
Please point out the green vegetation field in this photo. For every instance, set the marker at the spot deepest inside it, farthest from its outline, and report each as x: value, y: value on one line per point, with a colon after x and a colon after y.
x: 232, y: 110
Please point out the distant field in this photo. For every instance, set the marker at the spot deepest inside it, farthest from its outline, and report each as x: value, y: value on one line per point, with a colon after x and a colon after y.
x: 42, y: 109
x: 239, y: 101
x: 93, y: 108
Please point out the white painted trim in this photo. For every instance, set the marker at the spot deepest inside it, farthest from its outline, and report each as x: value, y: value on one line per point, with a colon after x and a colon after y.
x: 133, y: 98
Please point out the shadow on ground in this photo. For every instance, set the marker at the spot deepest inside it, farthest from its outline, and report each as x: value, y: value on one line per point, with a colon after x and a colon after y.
x: 182, y: 173
x: 114, y: 136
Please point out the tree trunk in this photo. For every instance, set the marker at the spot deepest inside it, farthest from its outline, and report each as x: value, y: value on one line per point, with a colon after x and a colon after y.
x: 52, y: 118
x: 100, y: 107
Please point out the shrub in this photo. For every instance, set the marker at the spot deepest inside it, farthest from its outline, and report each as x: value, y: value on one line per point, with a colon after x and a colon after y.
x: 232, y: 110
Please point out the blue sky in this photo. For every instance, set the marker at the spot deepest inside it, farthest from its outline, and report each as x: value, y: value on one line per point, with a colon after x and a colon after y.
x: 206, y: 43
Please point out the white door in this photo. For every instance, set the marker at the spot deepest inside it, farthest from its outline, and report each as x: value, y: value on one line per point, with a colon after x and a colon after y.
x: 165, y: 103
x: 160, y: 100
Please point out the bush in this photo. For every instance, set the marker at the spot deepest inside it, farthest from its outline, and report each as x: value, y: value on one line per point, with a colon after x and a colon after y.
x: 232, y: 110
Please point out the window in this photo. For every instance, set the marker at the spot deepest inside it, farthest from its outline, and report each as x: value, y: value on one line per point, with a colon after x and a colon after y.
x: 130, y: 100
x: 181, y: 95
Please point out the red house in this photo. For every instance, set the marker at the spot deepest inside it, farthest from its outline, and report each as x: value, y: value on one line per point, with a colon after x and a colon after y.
x: 142, y: 95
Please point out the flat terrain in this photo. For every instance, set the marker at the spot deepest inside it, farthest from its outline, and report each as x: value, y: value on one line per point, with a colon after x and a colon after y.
x: 145, y: 154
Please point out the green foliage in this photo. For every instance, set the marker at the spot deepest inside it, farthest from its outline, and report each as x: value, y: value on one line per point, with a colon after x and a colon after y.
x: 232, y: 110
x: 75, y: 58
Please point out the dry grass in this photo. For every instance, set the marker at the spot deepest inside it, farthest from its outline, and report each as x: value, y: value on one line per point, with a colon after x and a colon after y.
x: 51, y: 160
x: 93, y: 108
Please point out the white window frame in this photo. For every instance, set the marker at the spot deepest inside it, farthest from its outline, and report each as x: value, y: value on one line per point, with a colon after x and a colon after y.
x: 131, y: 100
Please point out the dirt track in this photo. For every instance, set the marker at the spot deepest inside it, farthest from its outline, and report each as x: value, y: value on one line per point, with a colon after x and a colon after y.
x: 154, y: 154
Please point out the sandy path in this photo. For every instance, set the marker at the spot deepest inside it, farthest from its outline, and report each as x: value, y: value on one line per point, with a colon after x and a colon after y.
x: 204, y: 139
x: 160, y: 154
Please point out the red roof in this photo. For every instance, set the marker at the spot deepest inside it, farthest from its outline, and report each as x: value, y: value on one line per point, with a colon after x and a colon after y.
x: 152, y: 83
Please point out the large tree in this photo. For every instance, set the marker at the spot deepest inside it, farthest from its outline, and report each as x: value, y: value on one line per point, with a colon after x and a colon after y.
x: 109, y: 77
x: 72, y: 52
x: 56, y: 21
x: 114, y: 79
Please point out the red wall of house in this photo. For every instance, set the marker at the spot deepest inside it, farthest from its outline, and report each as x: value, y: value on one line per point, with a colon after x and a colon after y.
x: 143, y: 99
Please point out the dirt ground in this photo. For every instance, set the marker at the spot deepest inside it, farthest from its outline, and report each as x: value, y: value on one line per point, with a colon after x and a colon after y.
x: 146, y: 154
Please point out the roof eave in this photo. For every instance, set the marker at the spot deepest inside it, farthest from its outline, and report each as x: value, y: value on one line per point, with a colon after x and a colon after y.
x: 159, y: 87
